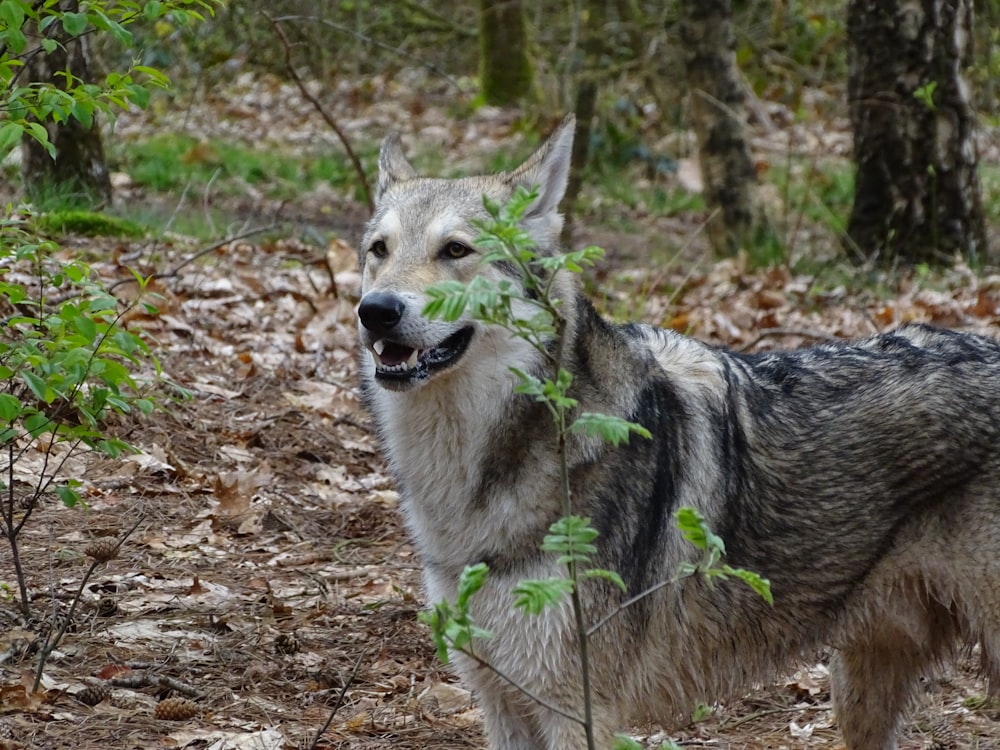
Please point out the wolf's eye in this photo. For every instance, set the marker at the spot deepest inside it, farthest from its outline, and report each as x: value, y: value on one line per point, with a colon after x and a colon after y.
x: 455, y: 250
x: 378, y: 249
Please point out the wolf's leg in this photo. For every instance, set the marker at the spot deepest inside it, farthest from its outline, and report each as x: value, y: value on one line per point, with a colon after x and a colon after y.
x: 562, y: 733
x: 874, y: 676
x: 509, y: 724
x: 507, y: 731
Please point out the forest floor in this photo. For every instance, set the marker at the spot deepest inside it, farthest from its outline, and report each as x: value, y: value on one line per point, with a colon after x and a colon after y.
x: 267, y: 578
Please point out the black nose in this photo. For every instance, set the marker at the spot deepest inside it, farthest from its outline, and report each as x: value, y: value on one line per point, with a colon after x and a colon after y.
x: 381, y: 311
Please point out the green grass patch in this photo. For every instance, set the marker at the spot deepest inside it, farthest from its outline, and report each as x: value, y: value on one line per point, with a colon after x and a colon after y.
x: 817, y: 193
x: 88, y: 223
x: 170, y: 163
x: 989, y: 178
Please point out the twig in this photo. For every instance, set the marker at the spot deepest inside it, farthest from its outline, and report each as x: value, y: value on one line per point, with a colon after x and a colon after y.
x: 406, y: 54
x: 206, y: 202
x: 626, y: 604
x: 768, y: 712
x: 338, y: 703
x: 341, y: 135
x: 53, y: 640
x: 175, y: 271
x: 520, y: 688
x: 137, y: 680
x: 177, y: 208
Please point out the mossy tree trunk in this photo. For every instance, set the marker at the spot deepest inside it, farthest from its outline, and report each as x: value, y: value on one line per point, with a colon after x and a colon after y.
x: 78, y: 173
x: 718, y: 117
x: 505, y: 63
x: 917, y: 194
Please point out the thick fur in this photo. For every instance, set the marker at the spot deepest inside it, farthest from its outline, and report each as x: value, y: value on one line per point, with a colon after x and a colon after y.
x: 862, y: 479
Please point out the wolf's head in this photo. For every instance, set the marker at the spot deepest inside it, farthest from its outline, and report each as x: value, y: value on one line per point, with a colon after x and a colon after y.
x: 423, y: 232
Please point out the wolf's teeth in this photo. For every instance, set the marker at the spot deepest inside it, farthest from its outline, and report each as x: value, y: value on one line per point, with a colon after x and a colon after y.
x: 412, y: 361
x: 378, y: 347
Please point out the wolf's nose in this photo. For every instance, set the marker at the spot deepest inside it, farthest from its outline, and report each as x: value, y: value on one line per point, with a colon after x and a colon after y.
x: 380, y: 311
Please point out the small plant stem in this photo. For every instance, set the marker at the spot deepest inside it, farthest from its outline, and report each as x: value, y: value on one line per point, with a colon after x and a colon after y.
x: 582, y: 636
x: 22, y: 584
x: 582, y: 643
x: 628, y: 603
x: 519, y: 687
x: 339, y: 702
x: 10, y: 531
x: 359, y: 170
x: 53, y: 640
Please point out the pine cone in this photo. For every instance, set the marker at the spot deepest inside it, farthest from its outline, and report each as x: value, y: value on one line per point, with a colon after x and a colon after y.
x: 103, y: 549
x: 943, y: 736
x: 176, y: 709
x: 287, y: 643
x: 94, y: 694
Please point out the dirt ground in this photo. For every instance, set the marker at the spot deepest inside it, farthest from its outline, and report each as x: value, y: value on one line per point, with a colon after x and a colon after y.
x: 267, y: 579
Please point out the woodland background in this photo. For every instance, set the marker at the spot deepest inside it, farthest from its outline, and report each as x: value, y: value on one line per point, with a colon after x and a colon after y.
x: 262, y: 574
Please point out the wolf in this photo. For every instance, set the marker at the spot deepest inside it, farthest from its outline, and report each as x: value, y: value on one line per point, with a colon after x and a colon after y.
x: 861, y: 478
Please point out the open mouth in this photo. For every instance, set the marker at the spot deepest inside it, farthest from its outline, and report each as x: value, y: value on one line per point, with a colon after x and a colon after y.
x: 395, y: 362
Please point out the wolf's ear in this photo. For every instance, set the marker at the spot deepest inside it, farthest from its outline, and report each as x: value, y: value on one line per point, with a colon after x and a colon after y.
x: 548, y: 169
x: 392, y: 165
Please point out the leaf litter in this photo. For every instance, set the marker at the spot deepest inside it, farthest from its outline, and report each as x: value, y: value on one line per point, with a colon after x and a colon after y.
x: 270, y: 562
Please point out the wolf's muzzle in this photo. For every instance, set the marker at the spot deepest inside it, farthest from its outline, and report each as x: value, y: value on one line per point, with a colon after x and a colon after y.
x: 380, y: 312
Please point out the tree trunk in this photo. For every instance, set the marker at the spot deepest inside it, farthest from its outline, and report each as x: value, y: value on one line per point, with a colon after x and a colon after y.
x: 505, y: 65
x: 717, y: 115
x: 916, y: 194
x: 592, y: 34
x: 78, y: 172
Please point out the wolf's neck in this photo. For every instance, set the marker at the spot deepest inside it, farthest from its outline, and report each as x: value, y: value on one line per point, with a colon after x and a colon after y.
x: 455, y: 447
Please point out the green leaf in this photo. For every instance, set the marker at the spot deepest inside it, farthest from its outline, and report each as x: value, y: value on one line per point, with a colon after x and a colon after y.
x: 695, y: 529
x: 607, y: 575
x: 38, y: 386
x: 15, y: 39
x: 49, y: 45
x: 12, y: 14
x: 36, y: 424
x: 534, y: 596
x: 152, y: 9
x: 10, y: 407
x: 69, y: 496
x: 611, y: 429
x: 138, y: 95
x: 10, y: 135
x: 758, y: 583
x: 473, y: 578
x: 74, y: 24
x: 624, y: 742
x: 84, y: 326
x: 435, y: 619
x: 40, y: 134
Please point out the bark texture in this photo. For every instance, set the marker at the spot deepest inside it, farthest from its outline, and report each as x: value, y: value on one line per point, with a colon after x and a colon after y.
x: 718, y: 116
x: 917, y: 194
x: 505, y: 64
x: 593, y: 35
x: 79, y: 170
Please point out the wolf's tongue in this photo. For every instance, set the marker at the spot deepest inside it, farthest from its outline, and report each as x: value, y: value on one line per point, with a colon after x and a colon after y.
x: 395, y: 354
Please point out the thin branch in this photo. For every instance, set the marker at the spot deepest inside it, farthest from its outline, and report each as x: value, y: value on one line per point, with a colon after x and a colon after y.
x: 175, y: 271
x: 338, y: 703
x: 628, y: 603
x: 405, y: 54
x: 53, y: 640
x: 520, y: 688
x: 341, y: 135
